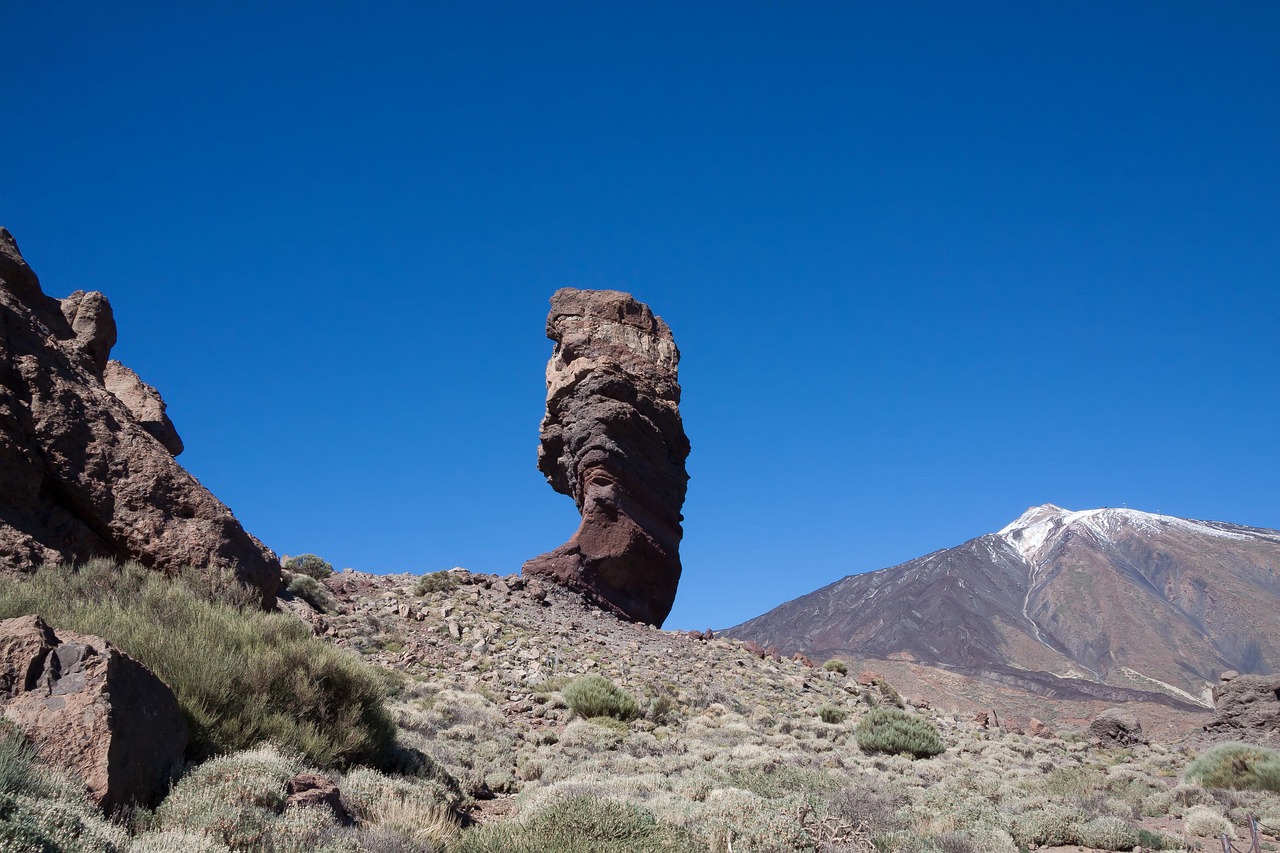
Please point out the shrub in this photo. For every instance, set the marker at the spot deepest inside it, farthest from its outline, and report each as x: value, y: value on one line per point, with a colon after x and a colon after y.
x: 309, y: 565
x: 578, y: 824
x: 893, y: 731
x: 1108, y: 833
x: 597, y: 696
x: 1237, y: 765
x: 232, y: 799
x: 312, y: 592
x: 832, y: 714
x: 835, y: 665
x: 241, y: 676
x: 1207, y: 823
x: 1048, y: 824
x: 435, y: 582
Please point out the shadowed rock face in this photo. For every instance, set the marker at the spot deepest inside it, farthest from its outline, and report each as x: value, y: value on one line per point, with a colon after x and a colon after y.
x: 87, y: 452
x: 612, y: 439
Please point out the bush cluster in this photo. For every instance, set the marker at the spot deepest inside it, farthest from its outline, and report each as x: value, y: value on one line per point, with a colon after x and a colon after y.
x: 1241, y: 766
x: 832, y: 714
x: 596, y: 696
x: 241, y: 676
x: 312, y: 592
x: 442, y: 581
x: 579, y: 824
x: 836, y: 665
x: 309, y: 565
x: 893, y: 731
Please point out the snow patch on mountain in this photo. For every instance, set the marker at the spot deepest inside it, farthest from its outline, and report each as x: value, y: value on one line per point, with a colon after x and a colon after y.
x: 1038, y: 529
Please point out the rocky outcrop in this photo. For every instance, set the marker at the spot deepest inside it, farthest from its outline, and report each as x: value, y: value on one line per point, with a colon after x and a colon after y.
x: 1116, y: 727
x: 612, y: 439
x: 87, y: 452
x: 1247, y: 704
x: 91, y: 710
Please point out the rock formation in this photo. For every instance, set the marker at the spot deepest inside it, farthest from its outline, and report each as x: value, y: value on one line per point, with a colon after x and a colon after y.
x: 92, y: 711
x: 1116, y: 727
x: 612, y: 439
x: 1247, y: 705
x: 87, y: 463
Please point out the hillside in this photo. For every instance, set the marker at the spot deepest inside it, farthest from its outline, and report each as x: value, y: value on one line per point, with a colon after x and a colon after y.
x: 1101, y: 605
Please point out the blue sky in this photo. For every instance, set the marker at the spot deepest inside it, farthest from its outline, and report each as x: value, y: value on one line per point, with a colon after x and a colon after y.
x: 928, y: 263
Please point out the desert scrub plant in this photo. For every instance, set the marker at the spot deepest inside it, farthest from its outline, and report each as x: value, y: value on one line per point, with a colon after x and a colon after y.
x: 578, y: 824
x: 312, y: 592
x: 43, y: 810
x: 241, y: 675
x: 597, y: 696
x: 893, y: 731
x: 233, y: 798
x: 1240, y: 766
x: 1047, y: 824
x: 309, y: 565
x: 442, y: 581
x: 836, y: 665
x: 1207, y: 823
x: 1108, y: 833
x: 832, y: 714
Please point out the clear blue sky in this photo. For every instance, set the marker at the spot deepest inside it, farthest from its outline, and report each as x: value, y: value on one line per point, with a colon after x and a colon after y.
x: 928, y: 263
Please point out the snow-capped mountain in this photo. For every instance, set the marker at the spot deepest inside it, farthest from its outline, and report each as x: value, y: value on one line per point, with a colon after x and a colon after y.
x: 1108, y: 604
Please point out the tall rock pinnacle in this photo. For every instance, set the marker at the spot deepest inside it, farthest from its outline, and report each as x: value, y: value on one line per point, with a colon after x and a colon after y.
x: 612, y: 439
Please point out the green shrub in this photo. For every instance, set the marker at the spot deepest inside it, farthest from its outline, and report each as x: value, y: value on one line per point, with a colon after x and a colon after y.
x: 241, y: 675
x: 435, y: 582
x: 1048, y: 824
x: 897, y: 732
x: 312, y: 592
x: 309, y: 565
x: 1207, y: 823
x: 579, y: 825
x: 1108, y: 833
x: 1237, y: 765
x: 832, y: 714
x: 596, y: 696
x: 836, y: 665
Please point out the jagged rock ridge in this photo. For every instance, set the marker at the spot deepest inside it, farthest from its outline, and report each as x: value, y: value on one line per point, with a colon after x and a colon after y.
x: 613, y: 440
x: 87, y: 464
x: 1105, y: 603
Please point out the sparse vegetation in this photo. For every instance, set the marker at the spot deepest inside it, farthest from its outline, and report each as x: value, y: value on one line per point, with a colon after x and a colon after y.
x: 597, y: 696
x: 309, y: 565
x: 890, y: 730
x: 580, y: 824
x: 836, y: 665
x: 313, y: 592
x: 241, y: 676
x: 832, y: 714
x: 1240, y: 766
x: 442, y: 581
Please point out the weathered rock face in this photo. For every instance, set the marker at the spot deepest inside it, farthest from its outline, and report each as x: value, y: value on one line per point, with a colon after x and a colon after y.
x: 612, y: 439
x: 1116, y: 727
x: 86, y: 450
x: 92, y: 710
x: 1247, y: 704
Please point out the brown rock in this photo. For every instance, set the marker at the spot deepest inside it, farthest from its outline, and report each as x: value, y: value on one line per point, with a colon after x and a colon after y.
x: 868, y: 677
x: 612, y: 439
x: 754, y: 648
x: 1116, y: 727
x: 85, y: 473
x: 1247, y: 704
x: 1036, y: 728
x: 802, y: 660
x: 988, y: 719
x: 317, y: 791
x: 94, y: 712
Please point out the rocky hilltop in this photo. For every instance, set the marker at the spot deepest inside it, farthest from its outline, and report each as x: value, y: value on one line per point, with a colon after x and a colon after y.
x: 1107, y: 605
x: 87, y: 464
x: 613, y: 440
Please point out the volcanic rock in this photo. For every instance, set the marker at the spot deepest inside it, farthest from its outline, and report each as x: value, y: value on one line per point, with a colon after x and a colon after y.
x: 93, y: 711
x: 86, y: 450
x: 1248, y: 703
x: 1116, y: 727
x: 612, y: 439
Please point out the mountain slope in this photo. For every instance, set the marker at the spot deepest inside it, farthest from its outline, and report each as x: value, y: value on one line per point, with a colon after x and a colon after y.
x: 1103, y: 603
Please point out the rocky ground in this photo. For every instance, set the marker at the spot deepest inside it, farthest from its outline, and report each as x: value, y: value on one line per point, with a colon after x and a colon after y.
x: 757, y: 753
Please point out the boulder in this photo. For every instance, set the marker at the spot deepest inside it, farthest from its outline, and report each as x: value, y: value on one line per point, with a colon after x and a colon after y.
x: 314, y: 790
x: 93, y: 711
x: 1247, y: 704
x: 1116, y: 727
x: 613, y: 440
x: 87, y: 464
x: 1037, y: 728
